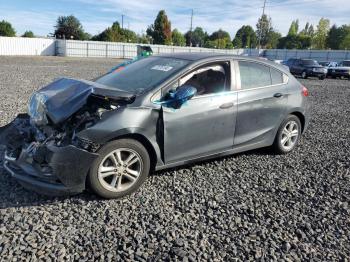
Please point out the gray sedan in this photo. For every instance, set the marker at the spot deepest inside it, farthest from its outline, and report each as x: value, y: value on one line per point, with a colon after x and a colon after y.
x: 159, y: 112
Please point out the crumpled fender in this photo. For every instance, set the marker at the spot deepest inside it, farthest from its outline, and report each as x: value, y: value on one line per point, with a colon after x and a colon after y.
x: 142, y: 121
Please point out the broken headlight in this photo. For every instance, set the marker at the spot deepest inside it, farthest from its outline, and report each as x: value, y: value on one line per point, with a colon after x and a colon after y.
x: 37, y: 109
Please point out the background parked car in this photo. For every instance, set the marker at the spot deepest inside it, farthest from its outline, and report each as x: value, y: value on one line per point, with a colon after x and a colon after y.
x: 328, y: 65
x: 342, y: 70
x: 306, y: 68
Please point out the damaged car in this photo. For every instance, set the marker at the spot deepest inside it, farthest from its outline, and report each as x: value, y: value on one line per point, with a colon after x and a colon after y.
x: 159, y: 112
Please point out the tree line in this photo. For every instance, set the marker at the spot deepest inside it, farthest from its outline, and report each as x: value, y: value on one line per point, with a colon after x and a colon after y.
x: 323, y: 36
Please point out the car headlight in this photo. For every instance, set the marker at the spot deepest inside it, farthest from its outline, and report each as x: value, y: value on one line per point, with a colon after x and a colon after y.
x: 37, y: 109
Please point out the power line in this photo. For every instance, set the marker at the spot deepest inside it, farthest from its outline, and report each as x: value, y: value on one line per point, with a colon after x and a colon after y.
x: 293, y: 3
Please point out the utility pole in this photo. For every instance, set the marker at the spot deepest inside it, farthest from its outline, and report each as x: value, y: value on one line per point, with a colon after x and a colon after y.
x: 191, y: 27
x: 122, y: 21
x: 259, y: 39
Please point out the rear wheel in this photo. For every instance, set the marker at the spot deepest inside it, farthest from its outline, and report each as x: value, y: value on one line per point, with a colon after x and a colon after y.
x: 288, y: 135
x: 321, y: 77
x: 121, y: 168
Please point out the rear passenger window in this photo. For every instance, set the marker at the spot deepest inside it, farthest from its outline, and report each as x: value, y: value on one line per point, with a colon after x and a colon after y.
x: 254, y: 75
x: 276, y: 77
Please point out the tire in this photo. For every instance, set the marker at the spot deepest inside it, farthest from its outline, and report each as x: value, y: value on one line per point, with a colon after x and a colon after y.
x: 304, y: 74
x: 321, y: 77
x: 109, y: 175
x: 278, y: 145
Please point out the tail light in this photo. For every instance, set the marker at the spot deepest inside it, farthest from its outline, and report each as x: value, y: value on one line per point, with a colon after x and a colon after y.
x: 304, y: 91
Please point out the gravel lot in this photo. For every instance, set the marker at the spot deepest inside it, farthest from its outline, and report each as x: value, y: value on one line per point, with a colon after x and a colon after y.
x: 254, y: 205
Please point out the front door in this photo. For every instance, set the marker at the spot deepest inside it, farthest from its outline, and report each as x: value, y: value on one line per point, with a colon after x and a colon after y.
x: 205, y: 124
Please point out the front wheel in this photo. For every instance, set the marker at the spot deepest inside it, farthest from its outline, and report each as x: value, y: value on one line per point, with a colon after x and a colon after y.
x: 304, y: 75
x: 288, y: 135
x: 121, y: 168
x: 321, y: 77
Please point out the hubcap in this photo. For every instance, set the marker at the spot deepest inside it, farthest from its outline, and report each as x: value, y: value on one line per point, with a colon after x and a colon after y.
x: 290, y: 135
x: 120, y: 169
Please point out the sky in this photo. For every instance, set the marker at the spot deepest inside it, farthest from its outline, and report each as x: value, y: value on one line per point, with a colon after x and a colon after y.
x: 40, y: 16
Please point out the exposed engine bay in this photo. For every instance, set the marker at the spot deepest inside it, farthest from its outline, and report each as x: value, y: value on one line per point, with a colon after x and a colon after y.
x: 58, y: 112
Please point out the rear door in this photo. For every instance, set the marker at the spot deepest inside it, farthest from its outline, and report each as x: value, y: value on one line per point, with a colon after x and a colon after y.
x: 262, y: 100
x: 205, y: 124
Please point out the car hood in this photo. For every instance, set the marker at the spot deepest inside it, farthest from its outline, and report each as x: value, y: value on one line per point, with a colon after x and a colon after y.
x: 65, y: 96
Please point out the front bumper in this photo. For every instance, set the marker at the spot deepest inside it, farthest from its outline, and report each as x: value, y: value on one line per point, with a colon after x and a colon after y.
x: 64, y: 172
x: 316, y: 74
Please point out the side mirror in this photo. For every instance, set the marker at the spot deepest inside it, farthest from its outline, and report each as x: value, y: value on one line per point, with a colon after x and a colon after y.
x: 175, y: 99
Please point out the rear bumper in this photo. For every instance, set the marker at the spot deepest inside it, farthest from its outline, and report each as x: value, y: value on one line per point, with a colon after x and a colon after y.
x: 64, y: 173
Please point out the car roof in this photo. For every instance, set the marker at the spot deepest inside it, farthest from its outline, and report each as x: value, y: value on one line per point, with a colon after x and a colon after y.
x: 195, y: 56
x: 206, y: 56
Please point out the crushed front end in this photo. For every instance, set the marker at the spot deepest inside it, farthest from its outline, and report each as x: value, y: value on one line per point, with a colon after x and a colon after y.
x: 43, y: 151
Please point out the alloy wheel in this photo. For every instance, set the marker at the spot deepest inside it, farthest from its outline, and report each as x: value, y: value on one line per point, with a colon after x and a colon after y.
x: 120, y: 169
x: 290, y: 135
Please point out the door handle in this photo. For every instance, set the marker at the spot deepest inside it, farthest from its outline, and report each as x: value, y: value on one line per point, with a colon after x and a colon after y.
x: 226, y: 105
x: 278, y: 95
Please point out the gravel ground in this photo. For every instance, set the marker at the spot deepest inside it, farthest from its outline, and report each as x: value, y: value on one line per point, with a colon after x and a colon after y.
x: 250, y: 206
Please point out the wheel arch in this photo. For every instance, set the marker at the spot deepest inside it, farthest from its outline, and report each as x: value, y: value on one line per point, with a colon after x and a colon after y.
x: 145, y: 142
x: 301, y: 118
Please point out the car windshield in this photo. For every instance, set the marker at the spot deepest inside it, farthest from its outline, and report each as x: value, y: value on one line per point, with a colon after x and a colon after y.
x: 345, y: 63
x: 324, y: 63
x: 143, y: 75
x: 310, y: 62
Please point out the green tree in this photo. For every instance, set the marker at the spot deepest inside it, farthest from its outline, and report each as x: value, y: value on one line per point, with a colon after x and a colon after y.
x: 29, y: 34
x: 267, y: 34
x: 245, y: 38
x: 143, y: 39
x: 308, y: 30
x: 294, y: 28
x: 6, y: 29
x: 263, y: 28
x: 178, y: 38
x: 116, y: 34
x: 128, y: 36
x: 160, y: 31
x: 338, y: 37
x: 197, y: 37
x: 345, y: 43
x: 69, y: 27
x: 300, y: 41
x: 272, y: 39
x: 219, y: 39
x: 320, y: 38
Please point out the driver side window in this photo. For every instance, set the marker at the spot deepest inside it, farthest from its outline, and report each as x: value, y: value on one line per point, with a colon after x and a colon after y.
x: 208, y: 79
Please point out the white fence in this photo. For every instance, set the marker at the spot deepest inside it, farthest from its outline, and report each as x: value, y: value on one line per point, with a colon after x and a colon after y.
x: 126, y: 50
x: 319, y: 55
x: 27, y: 46
x: 44, y: 46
